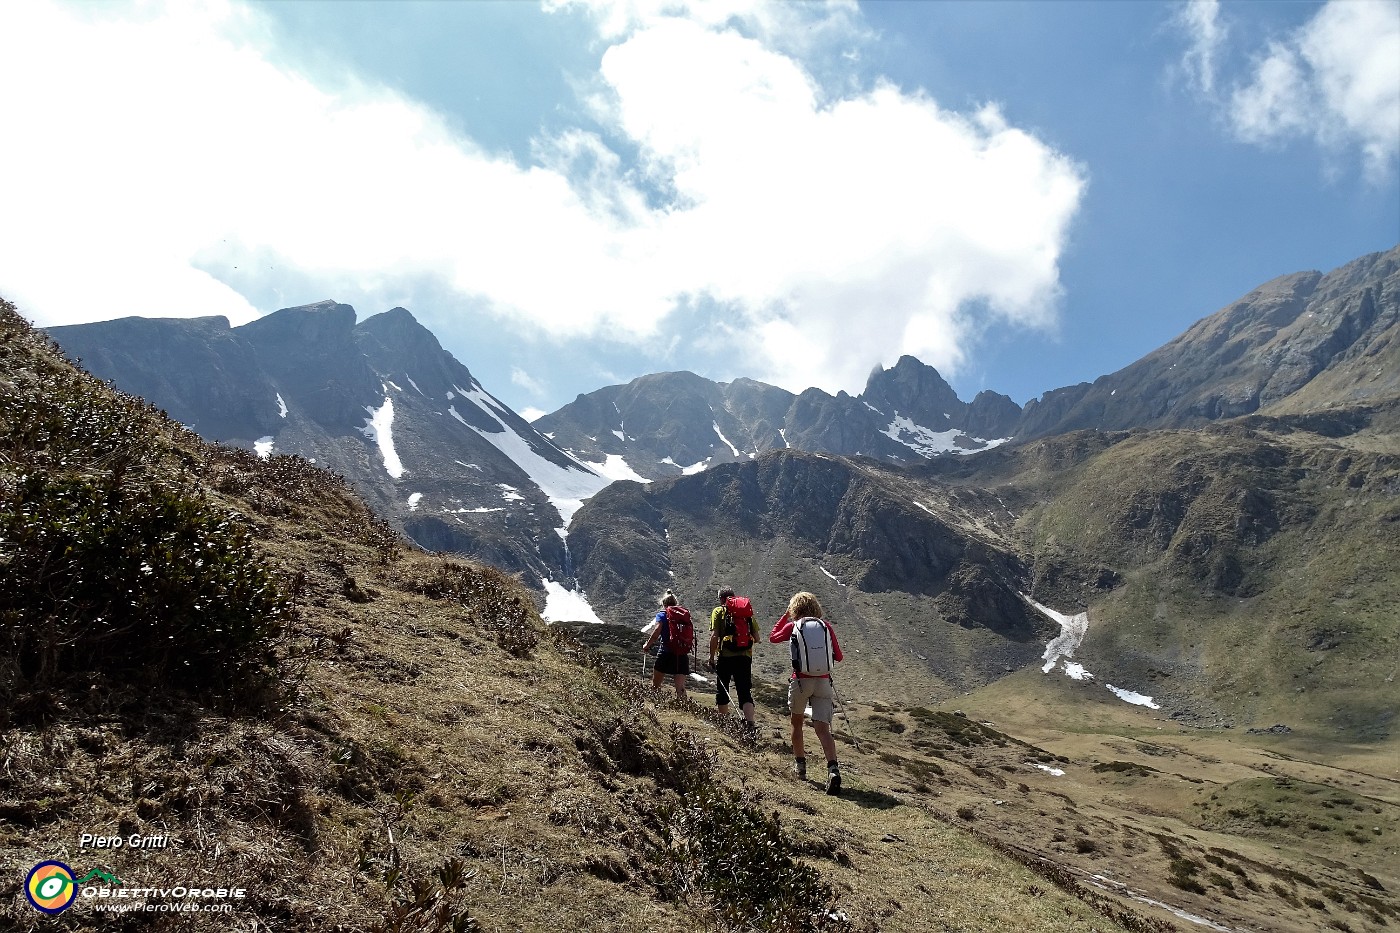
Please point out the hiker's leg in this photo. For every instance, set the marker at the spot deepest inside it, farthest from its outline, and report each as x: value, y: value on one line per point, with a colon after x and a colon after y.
x: 823, y: 731
x: 722, y: 677
x: 823, y: 709
x: 682, y: 672
x: 656, y: 676
x: 797, y: 702
x: 743, y: 685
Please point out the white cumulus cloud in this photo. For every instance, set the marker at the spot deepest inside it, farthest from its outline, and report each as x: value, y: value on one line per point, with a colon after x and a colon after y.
x: 1335, y: 80
x: 161, y: 158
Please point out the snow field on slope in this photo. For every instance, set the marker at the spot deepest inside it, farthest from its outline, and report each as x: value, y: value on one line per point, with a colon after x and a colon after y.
x: 1061, y: 650
x: 566, y: 487
x: 379, y: 427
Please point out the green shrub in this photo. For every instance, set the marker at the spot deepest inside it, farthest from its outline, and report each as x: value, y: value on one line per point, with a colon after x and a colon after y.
x: 136, y: 580
x: 718, y: 848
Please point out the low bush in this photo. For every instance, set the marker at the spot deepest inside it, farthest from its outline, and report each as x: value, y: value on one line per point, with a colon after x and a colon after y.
x: 136, y: 580
x: 721, y: 850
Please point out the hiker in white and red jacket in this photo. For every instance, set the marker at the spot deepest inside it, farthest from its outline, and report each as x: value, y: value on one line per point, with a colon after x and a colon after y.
x: 814, y: 652
x: 673, y: 629
x: 733, y: 632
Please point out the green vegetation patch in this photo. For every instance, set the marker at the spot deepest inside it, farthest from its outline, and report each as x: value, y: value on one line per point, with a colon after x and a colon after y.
x: 130, y: 580
x: 1130, y: 768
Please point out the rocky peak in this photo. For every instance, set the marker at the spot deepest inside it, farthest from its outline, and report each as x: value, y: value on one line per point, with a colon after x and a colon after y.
x: 326, y: 324
x: 915, y: 390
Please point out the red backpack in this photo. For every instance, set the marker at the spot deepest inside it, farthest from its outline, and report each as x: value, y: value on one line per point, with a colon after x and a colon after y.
x: 738, y: 621
x: 680, y: 634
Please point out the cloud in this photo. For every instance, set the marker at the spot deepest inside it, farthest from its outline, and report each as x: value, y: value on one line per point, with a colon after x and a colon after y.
x: 149, y: 149
x: 1200, y: 19
x: 527, y: 382
x: 1334, y: 80
x: 168, y: 160
x: 1337, y: 79
x: 806, y: 214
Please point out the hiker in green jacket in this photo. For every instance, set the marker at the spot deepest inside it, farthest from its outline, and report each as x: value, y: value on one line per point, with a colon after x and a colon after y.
x: 733, y: 632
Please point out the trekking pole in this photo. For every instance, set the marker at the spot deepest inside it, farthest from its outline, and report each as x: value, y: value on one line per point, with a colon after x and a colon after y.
x: 842, y: 707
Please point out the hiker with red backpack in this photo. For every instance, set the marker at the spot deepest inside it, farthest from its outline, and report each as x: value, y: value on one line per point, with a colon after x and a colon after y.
x: 676, y: 635
x: 814, y: 652
x: 733, y: 632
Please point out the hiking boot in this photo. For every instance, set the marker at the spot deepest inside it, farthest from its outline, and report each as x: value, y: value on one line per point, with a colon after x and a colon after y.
x: 833, y: 781
x: 800, y: 767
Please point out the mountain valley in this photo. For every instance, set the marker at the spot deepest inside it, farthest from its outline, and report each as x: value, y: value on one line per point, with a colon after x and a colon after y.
x: 1124, y: 657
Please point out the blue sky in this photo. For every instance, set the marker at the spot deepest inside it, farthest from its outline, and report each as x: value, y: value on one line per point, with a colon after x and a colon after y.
x: 1025, y: 195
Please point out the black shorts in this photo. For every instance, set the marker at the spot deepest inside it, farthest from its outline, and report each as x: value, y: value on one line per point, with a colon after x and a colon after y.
x: 739, y: 669
x: 676, y: 664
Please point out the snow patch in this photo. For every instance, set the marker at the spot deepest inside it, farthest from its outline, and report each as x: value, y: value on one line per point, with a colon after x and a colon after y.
x: 413, y: 501
x: 1054, y: 772
x: 924, y: 507
x: 565, y: 605
x: 829, y: 574
x: 619, y: 436
x: 1075, y: 671
x: 922, y: 440
x: 392, y: 386
x: 281, y: 406
x: 1137, y: 699
x: 263, y: 446
x: 469, y: 466
x: 782, y: 432
x: 1109, y: 884
x: 927, y: 442
x: 565, y: 487
x: 1061, y: 650
x: 615, y: 468
x: 379, y: 428
x: 734, y: 449
x: 415, y: 385
x: 511, y: 494
x: 688, y: 470
x: 1072, y: 629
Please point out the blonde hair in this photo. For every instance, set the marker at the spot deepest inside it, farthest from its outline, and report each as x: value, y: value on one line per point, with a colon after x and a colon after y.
x: 669, y: 599
x: 804, y: 606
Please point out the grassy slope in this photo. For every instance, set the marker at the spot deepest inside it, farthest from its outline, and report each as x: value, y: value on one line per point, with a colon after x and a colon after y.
x: 1252, y: 561
x: 1259, y: 573
x: 416, y: 722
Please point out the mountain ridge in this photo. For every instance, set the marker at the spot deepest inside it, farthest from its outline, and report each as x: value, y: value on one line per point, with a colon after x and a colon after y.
x: 383, y: 403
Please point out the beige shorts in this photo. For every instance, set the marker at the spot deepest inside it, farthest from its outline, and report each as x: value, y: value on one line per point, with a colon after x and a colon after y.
x: 812, y: 691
